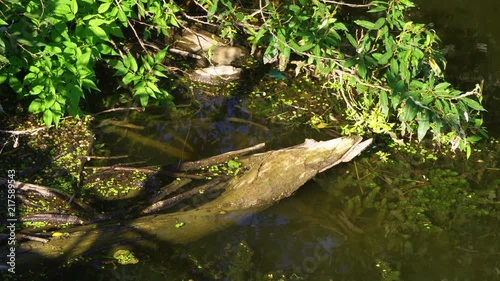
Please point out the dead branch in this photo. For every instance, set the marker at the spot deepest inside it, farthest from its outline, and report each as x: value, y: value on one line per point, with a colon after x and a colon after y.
x: 196, y: 165
x: 347, y: 4
x: 169, y: 189
x: 89, y: 157
x: 32, y: 238
x: 54, y: 218
x: 170, y: 202
x: 24, y: 132
x: 49, y: 192
x: 140, y: 109
x: 185, y: 54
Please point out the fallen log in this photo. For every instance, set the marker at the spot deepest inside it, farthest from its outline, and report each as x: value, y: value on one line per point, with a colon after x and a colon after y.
x: 269, y: 177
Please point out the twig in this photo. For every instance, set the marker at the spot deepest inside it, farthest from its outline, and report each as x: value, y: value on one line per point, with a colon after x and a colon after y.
x: 132, y: 27
x: 196, y: 165
x: 169, y: 189
x: 47, y: 192
x: 54, y: 218
x: 33, y: 238
x: 185, y: 54
x: 347, y: 4
x: 25, y: 132
x: 121, y: 168
x: 88, y: 157
x: 140, y: 109
x: 170, y: 202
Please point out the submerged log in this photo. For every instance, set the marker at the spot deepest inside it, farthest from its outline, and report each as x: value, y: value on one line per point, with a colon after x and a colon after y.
x: 270, y: 177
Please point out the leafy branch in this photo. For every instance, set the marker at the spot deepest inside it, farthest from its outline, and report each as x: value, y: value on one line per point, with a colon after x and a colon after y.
x: 386, y: 69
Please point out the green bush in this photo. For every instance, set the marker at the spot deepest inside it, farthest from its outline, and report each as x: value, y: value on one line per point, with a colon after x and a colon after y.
x: 49, y: 49
x: 387, y: 70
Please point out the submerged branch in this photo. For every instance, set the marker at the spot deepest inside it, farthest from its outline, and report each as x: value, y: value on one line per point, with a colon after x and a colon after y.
x: 49, y: 192
x: 169, y: 189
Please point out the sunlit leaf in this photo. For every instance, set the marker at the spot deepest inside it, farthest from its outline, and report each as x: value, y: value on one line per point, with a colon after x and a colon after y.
x: 104, y: 7
x: 379, y: 23
x: 35, y: 105
x: 423, y: 124
x: 48, y: 117
x: 473, y: 104
x: 384, y: 103
x: 99, y: 33
x: 366, y: 24
x: 377, y: 9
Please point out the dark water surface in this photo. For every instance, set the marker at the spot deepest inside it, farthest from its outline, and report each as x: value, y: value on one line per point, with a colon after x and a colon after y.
x: 316, y: 234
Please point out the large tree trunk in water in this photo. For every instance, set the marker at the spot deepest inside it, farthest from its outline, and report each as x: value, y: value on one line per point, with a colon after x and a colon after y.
x: 271, y: 176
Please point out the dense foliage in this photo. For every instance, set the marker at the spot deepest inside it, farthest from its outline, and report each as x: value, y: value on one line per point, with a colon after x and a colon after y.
x: 387, y: 70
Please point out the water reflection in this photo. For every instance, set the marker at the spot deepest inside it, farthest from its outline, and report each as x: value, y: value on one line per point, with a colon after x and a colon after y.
x: 304, y: 237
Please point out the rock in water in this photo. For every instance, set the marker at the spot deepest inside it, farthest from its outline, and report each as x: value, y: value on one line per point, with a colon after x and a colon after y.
x: 209, y: 49
x: 216, y: 75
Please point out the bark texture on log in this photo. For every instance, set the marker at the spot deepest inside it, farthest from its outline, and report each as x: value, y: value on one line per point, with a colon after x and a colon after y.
x: 270, y: 177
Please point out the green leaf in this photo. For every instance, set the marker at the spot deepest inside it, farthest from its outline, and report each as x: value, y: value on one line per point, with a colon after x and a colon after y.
x: 233, y: 164
x: 48, y: 116
x: 409, y: 111
x: 379, y: 23
x: 123, y: 18
x: 74, y: 7
x: 384, y: 59
x: 130, y: 62
x: 37, y: 90
x: 159, y: 73
x: 160, y: 56
x: 423, y: 124
x: 56, y: 119
x: 153, y: 87
x: 351, y: 40
x: 473, y: 104
x: 407, y: 3
x: 442, y: 86
x: 99, y: 33
x: 119, y: 66
x: 129, y: 78
x: 284, y: 57
x: 366, y: 24
x: 377, y: 9
x: 394, y: 67
x: 104, y: 7
x: 98, y: 22
x: 35, y: 105
x: 384, y: 103
x: 105, y: 49
x: 302, y: 48
x: 89, y: 84
x: 474, y: 139
x: 49, y: 101
x: 144, y: 100
x: 350, y: 62
x: 340, y: 26
x: 84, y: 59
x: 362, y: 70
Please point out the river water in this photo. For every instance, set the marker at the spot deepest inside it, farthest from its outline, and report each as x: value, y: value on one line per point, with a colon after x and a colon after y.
x: 402, y: 219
